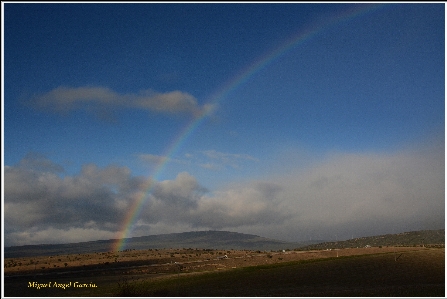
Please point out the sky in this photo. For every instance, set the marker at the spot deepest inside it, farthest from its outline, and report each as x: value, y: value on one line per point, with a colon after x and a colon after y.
x: 289, y: 121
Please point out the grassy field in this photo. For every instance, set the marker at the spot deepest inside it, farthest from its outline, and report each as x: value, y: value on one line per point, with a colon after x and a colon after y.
x: 419, y: 272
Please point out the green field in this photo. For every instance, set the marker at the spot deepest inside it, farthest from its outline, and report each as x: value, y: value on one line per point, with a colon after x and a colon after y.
x: 415, y: 273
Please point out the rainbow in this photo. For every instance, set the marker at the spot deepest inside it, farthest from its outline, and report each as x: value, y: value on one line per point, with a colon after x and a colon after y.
x: 218, y: 97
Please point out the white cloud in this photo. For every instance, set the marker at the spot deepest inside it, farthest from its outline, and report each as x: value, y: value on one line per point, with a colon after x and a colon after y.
x: 213, y: 154
x: 344, y: 195
x: 366, y: 194
x: 255, y: 204
x: 101, y: 100
x: 156, y: 159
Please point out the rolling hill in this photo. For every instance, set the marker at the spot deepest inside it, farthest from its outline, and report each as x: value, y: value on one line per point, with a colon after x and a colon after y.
x: 225, y: 240
x: 414, y: 238
x: 199, y: 239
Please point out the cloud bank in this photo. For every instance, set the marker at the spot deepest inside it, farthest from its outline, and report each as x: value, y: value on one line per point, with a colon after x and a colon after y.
x: 101, y: 99
x: 345, y: 195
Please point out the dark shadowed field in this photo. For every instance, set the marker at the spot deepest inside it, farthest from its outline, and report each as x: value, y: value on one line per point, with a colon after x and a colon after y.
x: 386, y: 271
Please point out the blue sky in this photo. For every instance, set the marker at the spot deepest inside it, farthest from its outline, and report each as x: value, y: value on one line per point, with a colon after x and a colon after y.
x: 341, y: 134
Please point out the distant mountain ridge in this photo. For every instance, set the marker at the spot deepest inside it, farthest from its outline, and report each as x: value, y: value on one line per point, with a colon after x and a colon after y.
x: 196, y: 239
x: 413, y: 238
x: 223, y: 240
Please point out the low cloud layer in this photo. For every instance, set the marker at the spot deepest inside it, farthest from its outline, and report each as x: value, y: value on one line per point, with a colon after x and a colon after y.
x: 343, y: 196
x: 102, y: 100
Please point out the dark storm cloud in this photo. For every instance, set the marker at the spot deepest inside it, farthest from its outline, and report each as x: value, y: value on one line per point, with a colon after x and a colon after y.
x: 94, y: 199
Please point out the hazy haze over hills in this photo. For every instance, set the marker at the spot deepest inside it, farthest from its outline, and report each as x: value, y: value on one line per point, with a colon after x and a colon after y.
x: 201, y: 239
x: 222, y: 240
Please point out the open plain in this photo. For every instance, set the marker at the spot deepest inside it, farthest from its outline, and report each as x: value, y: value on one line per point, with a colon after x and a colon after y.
x: 373, y: 271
